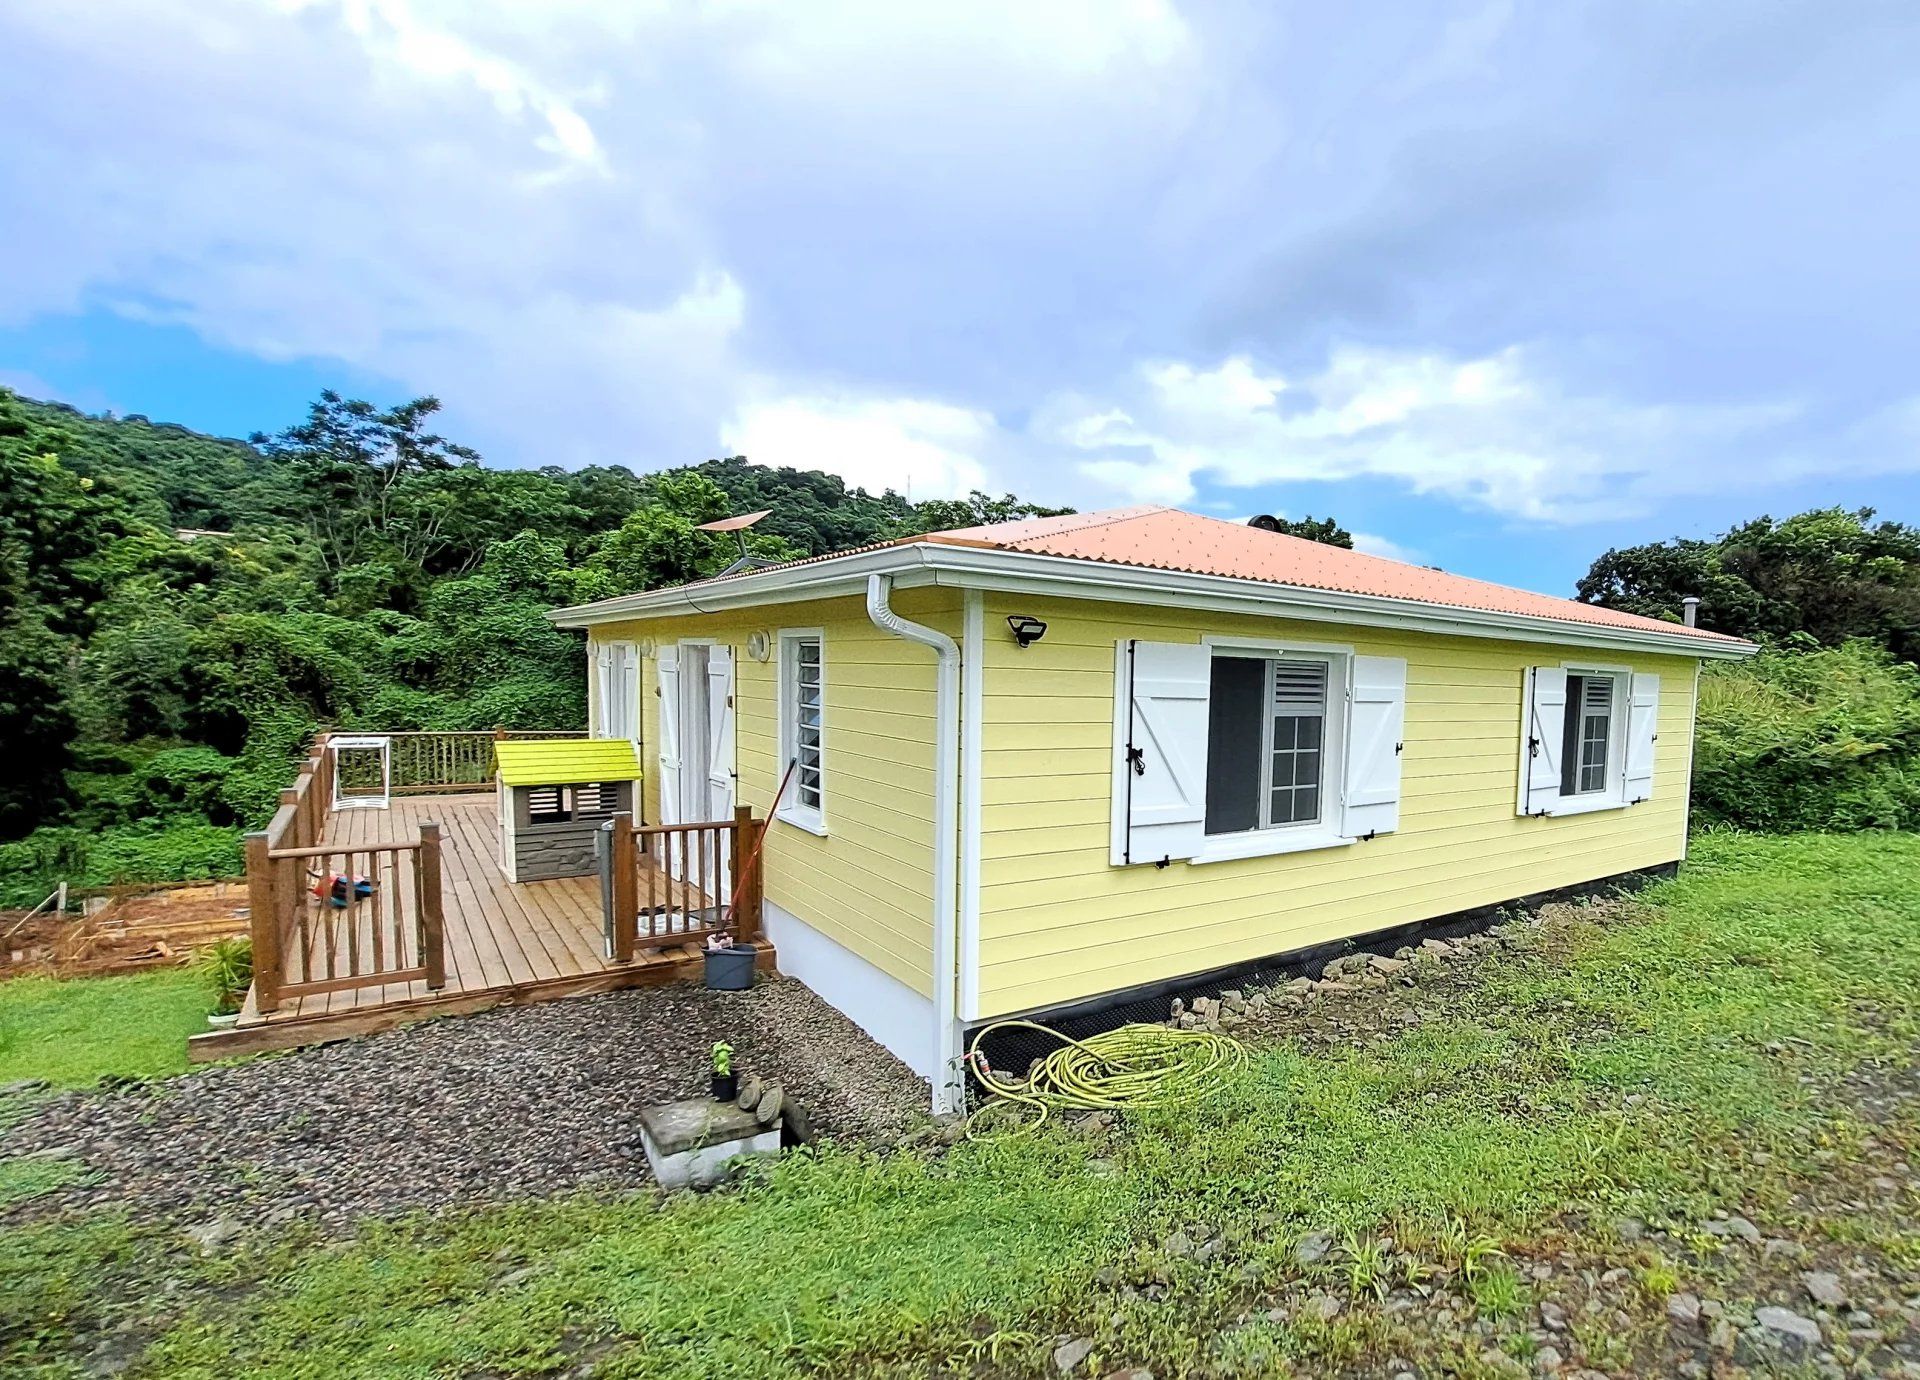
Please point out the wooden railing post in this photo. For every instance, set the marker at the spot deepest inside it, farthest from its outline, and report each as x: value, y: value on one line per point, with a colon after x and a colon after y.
x: 297, y: 820
x: 433, y: 928
x: 263, y: 924
x: 746, y: 880
x: 626, y: 889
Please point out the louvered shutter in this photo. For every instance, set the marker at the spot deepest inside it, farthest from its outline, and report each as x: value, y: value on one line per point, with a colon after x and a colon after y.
x: 667, y: 666
x: 602, y: 691
x: 1543, y: 728
x: 626, y: 680
x: 1643, y: 718
x: 1376, y: 725
x: 1160, y: 777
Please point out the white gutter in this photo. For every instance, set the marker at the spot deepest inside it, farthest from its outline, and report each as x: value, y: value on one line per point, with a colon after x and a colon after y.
x: 947, y: 1091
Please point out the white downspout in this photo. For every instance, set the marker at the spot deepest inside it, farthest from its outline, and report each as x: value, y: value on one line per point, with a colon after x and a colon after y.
x: 947, y: 1091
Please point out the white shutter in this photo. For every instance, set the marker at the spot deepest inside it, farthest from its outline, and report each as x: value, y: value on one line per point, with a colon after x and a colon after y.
x: 1160, y: 772
x: 1376, y: 724
x: 720, y: 732
x: 602, y: 694
x: 1643, y: 718
x: 1542, y: 730
x: 667, y: 663
x: 627, y: 693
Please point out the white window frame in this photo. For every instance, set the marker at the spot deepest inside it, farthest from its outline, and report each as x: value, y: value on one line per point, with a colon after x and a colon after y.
x: 1268, y: 840
x: 812, y: 819
x: 1612, y: 795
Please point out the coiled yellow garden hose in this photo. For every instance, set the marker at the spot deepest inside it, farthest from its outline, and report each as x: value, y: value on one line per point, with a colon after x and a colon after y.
x: 1131, y: 1066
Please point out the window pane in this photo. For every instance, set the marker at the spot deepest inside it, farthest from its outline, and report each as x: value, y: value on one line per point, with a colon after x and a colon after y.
x: 1234, y: 746
x: 1570, y: 738
x: 1297, y: 723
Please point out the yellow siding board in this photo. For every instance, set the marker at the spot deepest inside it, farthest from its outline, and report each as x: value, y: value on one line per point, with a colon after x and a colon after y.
x: 1059, y: 923
x: 1035, y: 981
x: 868, y: 884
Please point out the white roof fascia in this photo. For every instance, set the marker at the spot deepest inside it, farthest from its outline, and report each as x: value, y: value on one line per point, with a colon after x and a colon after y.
x: 1026, y: 572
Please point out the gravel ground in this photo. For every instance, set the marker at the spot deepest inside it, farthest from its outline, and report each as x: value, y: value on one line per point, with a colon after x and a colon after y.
x: 520, y: 1102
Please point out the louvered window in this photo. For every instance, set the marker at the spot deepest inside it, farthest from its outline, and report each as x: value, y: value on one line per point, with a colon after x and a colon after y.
x: 803, y: 729
x: 1266, y: 742
x: 546, y: 805
x: 598, y: 798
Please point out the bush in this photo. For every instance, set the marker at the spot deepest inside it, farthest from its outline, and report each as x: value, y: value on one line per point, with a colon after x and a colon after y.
x: 1826, y: 739
x: 31, y: 867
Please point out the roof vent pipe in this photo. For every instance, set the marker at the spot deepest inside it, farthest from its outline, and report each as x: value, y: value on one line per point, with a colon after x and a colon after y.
x: 1690, y: 610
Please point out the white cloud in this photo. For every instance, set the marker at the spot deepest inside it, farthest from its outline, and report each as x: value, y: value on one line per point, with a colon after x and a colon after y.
x: 394, y: 34
x: 563, y: 218
x: 1489, y: 431
x: 1376, y: 545
x: 919, y: 448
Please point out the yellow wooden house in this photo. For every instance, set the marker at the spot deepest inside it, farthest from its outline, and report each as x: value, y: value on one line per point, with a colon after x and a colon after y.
x: 1059, y: 762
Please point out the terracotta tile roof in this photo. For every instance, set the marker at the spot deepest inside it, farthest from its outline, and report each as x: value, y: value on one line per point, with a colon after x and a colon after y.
x: 1160, y: 538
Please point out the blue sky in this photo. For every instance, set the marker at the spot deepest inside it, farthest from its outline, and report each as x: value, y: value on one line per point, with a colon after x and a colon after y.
x: 1498, y: 285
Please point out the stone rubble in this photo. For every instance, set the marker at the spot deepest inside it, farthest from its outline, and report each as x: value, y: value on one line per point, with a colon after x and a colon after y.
x: 520, y: 1102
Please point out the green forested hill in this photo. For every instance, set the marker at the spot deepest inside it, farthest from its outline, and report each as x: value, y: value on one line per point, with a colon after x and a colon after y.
x: 178, y: 612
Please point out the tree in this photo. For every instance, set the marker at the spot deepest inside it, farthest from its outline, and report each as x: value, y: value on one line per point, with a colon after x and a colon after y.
x: 661, y: 545
x: 1323, y: 530
x: 977, y: 509
x: 179, y: 612
x: 1830, y: 573
x: 355, y: 461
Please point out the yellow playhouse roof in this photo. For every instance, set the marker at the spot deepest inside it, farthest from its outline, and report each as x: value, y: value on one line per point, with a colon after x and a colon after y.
x: 566, y: 761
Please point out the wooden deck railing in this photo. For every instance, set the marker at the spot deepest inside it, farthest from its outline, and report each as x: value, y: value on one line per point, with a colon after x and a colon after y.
x: 433, y: 762
x: 323, y: 918
x: 673, y: 884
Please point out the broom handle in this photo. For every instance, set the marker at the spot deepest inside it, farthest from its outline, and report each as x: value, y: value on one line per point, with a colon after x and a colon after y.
x: 740, y: 874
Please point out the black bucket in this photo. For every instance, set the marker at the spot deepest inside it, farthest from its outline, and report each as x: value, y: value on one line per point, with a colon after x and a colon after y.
x: 730, y: 970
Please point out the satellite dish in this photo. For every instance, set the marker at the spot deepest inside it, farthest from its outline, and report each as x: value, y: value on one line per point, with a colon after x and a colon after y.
x: 1266, y: 522
x: 738, y: 526
x: 734, y: 524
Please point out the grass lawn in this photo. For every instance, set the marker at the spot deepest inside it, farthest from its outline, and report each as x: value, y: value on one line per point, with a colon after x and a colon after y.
x: 1663, y: 1069
x: 73, y: 1032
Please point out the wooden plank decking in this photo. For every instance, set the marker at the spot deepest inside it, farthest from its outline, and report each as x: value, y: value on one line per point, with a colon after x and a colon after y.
x: 505, y: 942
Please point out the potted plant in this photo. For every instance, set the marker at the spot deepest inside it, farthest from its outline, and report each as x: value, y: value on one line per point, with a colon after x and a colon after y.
x: 228, y: 965
x: 725, y: 1084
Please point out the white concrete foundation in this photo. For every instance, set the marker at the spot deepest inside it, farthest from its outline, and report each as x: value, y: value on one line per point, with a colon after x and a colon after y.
x: 880, y: 1004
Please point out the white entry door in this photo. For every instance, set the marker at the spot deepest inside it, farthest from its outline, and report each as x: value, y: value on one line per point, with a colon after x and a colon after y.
x: 696, y: 757
x: 667, y: 666
x: 720, y: 764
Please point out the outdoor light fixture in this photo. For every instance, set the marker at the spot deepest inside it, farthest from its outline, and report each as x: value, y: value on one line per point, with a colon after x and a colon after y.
x: 759, y: 645
x: 1026, y: 630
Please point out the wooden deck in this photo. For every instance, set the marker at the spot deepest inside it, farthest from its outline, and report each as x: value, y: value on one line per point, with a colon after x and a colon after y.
x: 504, y: 942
